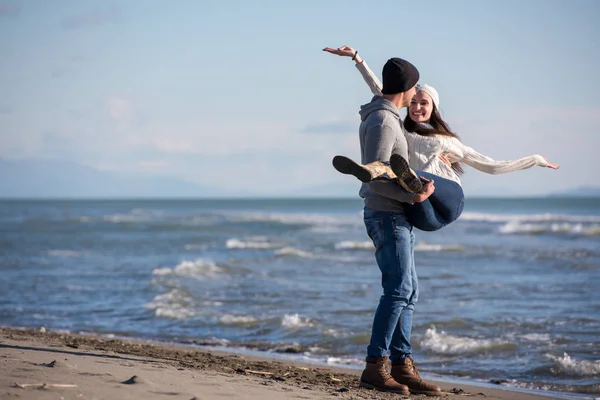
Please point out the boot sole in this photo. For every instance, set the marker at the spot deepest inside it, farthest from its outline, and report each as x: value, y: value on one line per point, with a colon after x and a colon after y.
x: 406, y: 179
x: 350, y: 167
x: 373, y: 387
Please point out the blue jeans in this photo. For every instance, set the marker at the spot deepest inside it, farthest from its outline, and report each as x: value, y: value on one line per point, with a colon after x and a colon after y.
x: 394, y: 240
x: 443, y: 207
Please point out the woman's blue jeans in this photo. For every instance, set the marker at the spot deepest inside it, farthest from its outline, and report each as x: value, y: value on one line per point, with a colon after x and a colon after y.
x: 443, y: 207
x: 394, y: 241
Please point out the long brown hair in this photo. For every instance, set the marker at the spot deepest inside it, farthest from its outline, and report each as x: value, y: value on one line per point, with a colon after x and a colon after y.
x: 438, y: 127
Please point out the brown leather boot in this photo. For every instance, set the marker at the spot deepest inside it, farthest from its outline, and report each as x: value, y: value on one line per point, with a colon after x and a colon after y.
x: 365, y: 173
x: 406, y: 177
x: 408, y: 375
x: 376, y: 376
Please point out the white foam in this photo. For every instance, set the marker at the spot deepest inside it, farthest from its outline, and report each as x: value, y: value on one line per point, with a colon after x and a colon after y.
x: 295, y: 218
x: 354, y: 245
x: 291, y: 251
x: 566, y: 364
x: 119, y: 218
x: 199, y: 269
x: 162, y: 271
x: 546, y: 217
x: 344, y: 361
x: 135, y: 215
x: 420, y: 246
x: 192, y: 246
x: 173, y: 312
x: 536, y: 337
x: 174, y: 304
x: 294, y: 321
x: 447, y: 344
x: 236, y: 319
x: 518, y: 227
x: 252, y: 244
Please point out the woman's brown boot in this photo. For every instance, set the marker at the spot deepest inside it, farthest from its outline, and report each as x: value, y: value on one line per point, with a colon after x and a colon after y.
x: 365, y: 173
x: 406, y: 177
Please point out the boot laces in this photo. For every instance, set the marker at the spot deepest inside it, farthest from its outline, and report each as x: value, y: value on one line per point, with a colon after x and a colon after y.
x: 412, y: 365
x: 384, y: 372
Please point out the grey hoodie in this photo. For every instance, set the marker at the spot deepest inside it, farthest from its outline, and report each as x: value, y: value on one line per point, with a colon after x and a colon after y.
x: 381, y: 136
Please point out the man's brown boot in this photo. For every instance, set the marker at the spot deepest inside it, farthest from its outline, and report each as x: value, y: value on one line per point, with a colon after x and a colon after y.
x: 376, y: 376
x: 406, y: 373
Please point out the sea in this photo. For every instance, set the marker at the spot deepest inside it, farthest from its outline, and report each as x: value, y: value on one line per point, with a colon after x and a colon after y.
x: 509, y: 293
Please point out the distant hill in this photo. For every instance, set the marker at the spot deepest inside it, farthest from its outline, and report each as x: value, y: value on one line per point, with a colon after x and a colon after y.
x: 65, y: 179
x: 581, y: 191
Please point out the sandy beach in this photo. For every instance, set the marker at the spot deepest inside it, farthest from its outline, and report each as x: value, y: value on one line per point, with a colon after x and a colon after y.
x: 50, y: 365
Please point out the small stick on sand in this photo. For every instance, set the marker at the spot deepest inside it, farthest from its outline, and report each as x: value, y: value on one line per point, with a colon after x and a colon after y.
x: 44, y: 385
x: 249, y: 371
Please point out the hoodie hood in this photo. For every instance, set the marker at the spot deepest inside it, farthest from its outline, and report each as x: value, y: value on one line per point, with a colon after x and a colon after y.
x: 378, y: 103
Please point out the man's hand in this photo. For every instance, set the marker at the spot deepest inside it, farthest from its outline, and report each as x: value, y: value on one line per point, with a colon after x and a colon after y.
x: 428, y: 189
x: 445, y: 160
x: 344, y: 51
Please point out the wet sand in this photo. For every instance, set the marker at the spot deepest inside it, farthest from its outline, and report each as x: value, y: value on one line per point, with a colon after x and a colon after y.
x: 50, y: 365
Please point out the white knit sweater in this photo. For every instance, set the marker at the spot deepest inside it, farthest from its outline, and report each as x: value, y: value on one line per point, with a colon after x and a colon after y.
x: 424, y: 151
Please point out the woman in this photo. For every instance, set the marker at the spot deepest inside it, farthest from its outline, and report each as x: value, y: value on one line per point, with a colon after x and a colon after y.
x: 435, y: 153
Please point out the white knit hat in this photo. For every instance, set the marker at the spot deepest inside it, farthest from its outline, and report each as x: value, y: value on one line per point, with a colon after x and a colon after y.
x: 430, y: 90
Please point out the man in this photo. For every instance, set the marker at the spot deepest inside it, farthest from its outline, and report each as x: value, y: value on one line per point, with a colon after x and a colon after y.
x: 381, y: 136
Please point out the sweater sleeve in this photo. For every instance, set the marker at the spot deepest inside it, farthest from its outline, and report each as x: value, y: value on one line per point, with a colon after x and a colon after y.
x: 370, y: 78
x: 488, y: 165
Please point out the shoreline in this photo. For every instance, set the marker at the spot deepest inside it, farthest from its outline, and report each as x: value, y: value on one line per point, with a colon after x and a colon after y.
x: 101, y: 367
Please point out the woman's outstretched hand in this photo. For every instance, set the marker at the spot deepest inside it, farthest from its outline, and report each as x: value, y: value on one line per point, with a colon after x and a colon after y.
x: 344, y: 51
x: 550, y: 165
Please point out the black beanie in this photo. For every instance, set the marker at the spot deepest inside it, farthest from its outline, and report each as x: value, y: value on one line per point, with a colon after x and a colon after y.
x: 398, y: 76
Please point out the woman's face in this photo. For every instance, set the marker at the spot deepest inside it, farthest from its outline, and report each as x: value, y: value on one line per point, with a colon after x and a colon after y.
x: 421, y: 107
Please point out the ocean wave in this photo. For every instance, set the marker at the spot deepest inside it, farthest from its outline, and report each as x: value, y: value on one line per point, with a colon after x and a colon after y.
x: 441, y: 342
x: 546, y: 217
x: 354, y: 245
x: 344, y: 361
x: 317, y: 220
x: 536, y: 337
x: 236, y: 319
x: 570, y: 366
x: 420, y: 246
x: 134, y: 215
x: 174, y: 304
x: 261, y: 243
x: 199, y: 269
x: 518, y: 227
x: 291, y: 251
x: 295, y: 321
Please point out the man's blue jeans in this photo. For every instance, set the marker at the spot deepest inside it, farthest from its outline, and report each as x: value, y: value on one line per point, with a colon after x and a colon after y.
x: 394, y: 240
x: 443, y: 207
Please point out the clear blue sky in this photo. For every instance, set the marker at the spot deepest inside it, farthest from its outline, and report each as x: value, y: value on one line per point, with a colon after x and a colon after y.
x: 205, y: 89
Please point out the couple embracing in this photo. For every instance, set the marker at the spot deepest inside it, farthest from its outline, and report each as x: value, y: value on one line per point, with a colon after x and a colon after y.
x: 410, y: 172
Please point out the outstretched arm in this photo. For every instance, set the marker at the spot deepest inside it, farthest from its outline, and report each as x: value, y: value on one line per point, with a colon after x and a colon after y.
x: 370, y: 78
x: 488, y: 165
